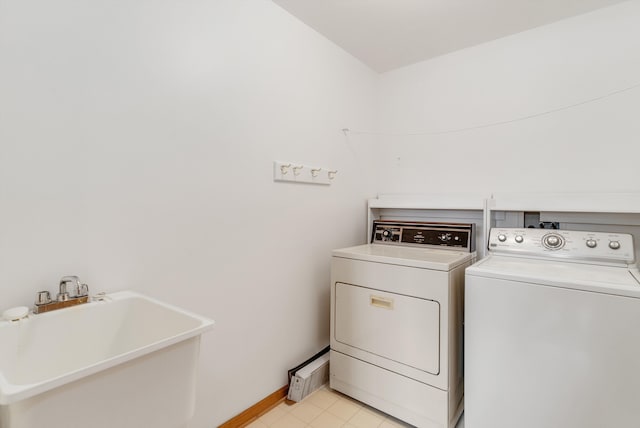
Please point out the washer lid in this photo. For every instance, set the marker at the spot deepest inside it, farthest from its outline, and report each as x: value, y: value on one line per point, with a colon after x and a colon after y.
x: 425, y: 258
x: 618, y: 280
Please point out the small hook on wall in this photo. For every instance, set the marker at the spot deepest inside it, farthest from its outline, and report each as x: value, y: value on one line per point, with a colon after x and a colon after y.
x: 285, y: 168
x: 315, y: 171
x: 296, y: 169
x: 332, y: 174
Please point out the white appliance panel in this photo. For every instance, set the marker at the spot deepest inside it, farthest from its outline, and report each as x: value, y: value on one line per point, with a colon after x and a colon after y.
x: 417, y: 403
x: 393, y: 278
x: 548, y: 356
x: 401, y: 328
x: 432, y: 285
x: 605, y: 279
x: 597, y: 247
x: 426, y: 258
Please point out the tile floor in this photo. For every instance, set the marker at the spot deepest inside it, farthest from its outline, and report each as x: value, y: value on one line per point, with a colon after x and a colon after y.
x: 326, y: 408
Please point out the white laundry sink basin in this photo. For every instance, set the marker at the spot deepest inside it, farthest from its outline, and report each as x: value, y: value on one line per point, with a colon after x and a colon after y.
x: 130, y: 358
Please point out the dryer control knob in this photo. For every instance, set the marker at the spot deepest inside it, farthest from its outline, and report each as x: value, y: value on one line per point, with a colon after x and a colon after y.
x: 614, y: 245
x: 502, y: 238
x: 519, y: 239
x: 552, y: 241
x: 591, y: 243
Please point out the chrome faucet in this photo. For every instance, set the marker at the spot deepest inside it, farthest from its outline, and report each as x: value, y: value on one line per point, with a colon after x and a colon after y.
x: 63, y: 299
x: 63, y: 295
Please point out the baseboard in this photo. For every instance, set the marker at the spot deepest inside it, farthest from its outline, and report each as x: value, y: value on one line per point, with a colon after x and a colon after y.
x: 257, y: 409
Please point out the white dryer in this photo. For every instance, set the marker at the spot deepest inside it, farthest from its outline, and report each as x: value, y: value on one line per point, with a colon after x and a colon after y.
x: 396, y: 320
x: 552, y: 335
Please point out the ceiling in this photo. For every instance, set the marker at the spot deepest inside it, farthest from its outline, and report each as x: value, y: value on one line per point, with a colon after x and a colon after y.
x: 388, y: 34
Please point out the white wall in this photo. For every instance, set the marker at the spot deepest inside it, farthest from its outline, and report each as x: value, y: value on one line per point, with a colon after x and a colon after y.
x: 136, y: 149
x: 592, y: 147
x: 137, y: 140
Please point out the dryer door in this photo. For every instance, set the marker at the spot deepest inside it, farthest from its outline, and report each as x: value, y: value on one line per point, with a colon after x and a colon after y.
x: 400, y: 328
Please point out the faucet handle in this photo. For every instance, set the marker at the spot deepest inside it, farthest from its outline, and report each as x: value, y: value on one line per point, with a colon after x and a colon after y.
x: 83, y: 290
x: 43, y: 297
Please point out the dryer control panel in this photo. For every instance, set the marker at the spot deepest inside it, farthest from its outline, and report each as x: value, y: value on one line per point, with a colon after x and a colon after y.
x: 570, y: 244
x: 456, y: 236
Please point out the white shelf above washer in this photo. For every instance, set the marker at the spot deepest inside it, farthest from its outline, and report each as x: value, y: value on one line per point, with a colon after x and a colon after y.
x: 430, y: 201
x: 610, y: 202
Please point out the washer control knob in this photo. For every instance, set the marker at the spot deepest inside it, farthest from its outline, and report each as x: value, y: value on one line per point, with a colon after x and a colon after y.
x: 444, y: 237
x: 502, y: 238
x: 614, y: 245
x: 552, y: 241
x: 591, y: 243
x: 519, y: 239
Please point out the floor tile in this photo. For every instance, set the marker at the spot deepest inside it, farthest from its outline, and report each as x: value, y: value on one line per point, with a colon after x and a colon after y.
x: 327, y: 420
x: 326, y: 408
x: 257, y: 424
x: 288, y: 421
x: 306, y: 411
x: 366, y: 419
x: 322, y: 398
x: 272, y: 416
x: 344, y: 409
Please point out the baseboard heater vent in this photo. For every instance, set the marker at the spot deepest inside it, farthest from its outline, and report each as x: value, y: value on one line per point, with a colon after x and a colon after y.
x: 309, y: 376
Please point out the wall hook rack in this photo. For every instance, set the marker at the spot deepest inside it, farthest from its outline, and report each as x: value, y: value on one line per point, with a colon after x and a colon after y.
x: 302, y: 173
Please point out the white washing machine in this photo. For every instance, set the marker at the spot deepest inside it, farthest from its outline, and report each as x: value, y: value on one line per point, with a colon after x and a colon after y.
x: 396, y: 320
x: 552, y: 337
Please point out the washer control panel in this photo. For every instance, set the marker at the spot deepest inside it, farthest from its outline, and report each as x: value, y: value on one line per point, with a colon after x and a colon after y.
x: 456, y: 236
x: 592, y: 246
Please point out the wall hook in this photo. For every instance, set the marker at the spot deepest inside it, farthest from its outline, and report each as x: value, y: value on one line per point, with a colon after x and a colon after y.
x: 315, y: 171
x: 285, y: 168
x: 332, y: 174
x: 296, y: 169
